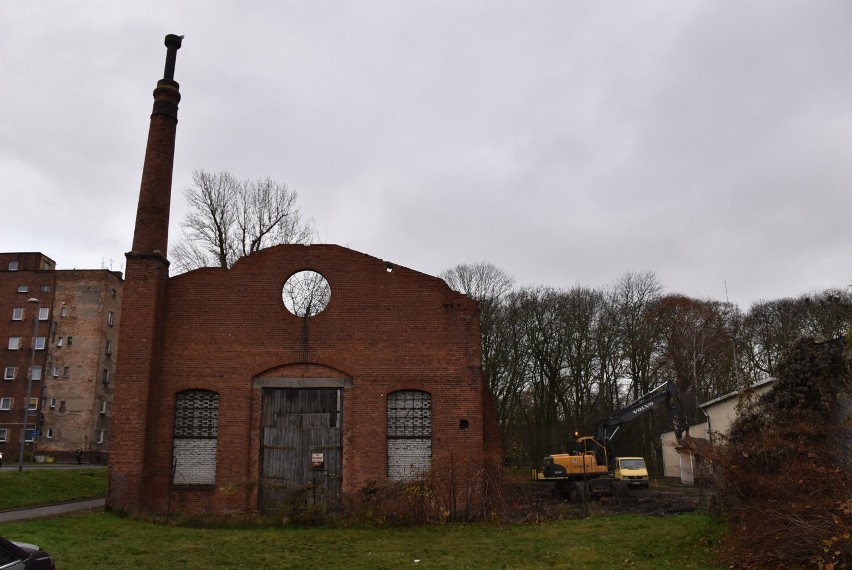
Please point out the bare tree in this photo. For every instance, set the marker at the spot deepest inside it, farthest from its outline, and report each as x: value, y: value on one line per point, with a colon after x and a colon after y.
x: 697, y: 344
x: 610, y: 354
x: 230, y: 218
x: 483, y: 282
x: 508, y: 373
x: 592, y: 359
x: 546, y: 402
x: 489, y: 286
x: 634, y: 296
x: 770, y: 327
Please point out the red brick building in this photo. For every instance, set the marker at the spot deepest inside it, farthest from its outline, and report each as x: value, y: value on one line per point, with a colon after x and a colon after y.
x: 300, y: 367
x: 70, y: 317
x: 27, y: 284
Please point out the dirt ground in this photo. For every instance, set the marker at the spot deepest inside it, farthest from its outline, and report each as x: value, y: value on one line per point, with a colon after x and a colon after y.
x: 529, y: 501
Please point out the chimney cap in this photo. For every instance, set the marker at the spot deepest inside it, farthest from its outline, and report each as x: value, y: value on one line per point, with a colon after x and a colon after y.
x: 172, y: 45
x: 173, y: 40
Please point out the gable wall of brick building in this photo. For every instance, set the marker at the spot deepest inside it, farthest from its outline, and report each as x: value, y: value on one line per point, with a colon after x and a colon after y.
x: 228, y: 333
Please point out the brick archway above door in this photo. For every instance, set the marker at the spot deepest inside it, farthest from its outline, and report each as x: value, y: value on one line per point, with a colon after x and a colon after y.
x: 302, y: 376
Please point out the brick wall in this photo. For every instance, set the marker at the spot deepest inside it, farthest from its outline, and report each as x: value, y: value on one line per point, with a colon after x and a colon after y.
x: 135, y: 379
x: 143, y: 306
x: 408, y: 458
x: 386, y: 328
x: 195, y: 461
x: 74, y: 389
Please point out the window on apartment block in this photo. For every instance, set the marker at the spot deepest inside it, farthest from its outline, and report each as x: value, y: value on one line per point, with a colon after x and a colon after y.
x: 113, y: 292
x: 36, y: 373
x: 29, y: 435
x: 59, y: 342
x: 70, y: 340
x: 33, y: 404
x: 195, y: 437
x: 110, y: 318
x: 63, y: 312
x: 18, y: 314
x: 4, y: 434
x: 48, y: 433
x: 43, y: 313
x: 10, y: 373
x: 105, y: 377
x: 6, y: 404
x: 108, y: 348
x: 45, y: 288
x: 102, y: 410
x: 14, y: 343
x: 409, y: 417
x: 53, y: 403
x: 66, y: 372
x: 40, y: 342
x: 23, y: 289
x: 56, y: 372
x: 101, y: 436
x: 13, y: 265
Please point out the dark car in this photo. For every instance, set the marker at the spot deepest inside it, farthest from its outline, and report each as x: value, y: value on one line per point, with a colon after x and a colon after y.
x: 22, y: 556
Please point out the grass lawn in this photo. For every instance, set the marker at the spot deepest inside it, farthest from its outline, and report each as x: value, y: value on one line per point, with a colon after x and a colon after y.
x: 101, y: 540
x: 34, y: 487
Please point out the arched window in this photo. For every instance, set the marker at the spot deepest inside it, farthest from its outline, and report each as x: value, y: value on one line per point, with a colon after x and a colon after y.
x: 195, y: 437
x: 409, y: 434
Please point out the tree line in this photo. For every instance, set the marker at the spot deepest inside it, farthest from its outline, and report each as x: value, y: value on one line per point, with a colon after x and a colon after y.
x: 559, y: 360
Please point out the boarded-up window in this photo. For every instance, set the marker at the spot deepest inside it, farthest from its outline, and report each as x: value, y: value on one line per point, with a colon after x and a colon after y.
x: 409, y: 434
x: 195, y: 437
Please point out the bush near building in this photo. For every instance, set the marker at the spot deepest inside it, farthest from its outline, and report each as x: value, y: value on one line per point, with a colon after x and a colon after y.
x: 784, y: 470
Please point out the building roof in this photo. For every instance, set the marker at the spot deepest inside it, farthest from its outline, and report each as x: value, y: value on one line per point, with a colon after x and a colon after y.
x: 735, y: 393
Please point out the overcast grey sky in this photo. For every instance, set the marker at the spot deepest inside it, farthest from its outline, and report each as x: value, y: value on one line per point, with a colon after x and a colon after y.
x: 566, y: 142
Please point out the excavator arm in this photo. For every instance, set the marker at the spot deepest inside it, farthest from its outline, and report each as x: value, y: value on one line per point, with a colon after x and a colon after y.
x: 666, y: 396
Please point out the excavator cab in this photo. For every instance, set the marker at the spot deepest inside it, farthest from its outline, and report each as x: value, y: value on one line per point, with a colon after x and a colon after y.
x: 588, y: 445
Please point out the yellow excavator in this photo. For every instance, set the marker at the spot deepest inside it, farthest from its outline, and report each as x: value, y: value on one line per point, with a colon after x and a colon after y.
x: 588, y: 469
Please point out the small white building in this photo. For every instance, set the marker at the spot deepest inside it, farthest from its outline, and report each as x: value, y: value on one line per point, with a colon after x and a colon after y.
x: 720, y: 413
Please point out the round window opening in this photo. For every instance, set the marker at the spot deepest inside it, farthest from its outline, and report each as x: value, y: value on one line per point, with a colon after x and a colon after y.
x: 306, y: 293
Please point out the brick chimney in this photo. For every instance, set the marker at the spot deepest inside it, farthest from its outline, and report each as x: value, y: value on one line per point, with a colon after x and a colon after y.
x: 146, y: 279
x: 152, y: 215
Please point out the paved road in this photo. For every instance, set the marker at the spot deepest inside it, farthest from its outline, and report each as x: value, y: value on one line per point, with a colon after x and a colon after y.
x: 51, y: 510
x: 30, y: 466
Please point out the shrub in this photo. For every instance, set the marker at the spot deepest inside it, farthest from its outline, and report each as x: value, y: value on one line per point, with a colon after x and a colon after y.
x: 784, y: 471
x: 443, y: 494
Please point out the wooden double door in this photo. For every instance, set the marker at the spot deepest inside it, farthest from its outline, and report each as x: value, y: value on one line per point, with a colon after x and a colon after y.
x: 301, y: 452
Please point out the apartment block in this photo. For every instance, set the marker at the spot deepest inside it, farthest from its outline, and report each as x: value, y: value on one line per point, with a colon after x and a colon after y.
x: 59, y: 335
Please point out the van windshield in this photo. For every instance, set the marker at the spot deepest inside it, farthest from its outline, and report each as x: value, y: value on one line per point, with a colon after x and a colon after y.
x: 632, y: 463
